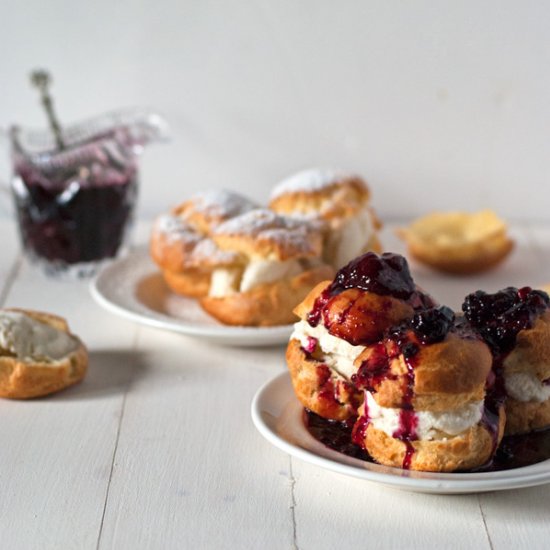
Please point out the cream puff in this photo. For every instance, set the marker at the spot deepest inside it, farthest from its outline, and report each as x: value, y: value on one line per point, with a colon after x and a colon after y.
x: 458, y: 242
x: 425, y: 405
x: 278, y: 262
x: 181, y: 243
x: 515, y: 323
x: 339, y: 319
x: 38, y: 354
x: 339, y: 204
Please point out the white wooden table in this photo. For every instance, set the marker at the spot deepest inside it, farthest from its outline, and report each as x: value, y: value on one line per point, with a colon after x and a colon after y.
x: 156, y: 448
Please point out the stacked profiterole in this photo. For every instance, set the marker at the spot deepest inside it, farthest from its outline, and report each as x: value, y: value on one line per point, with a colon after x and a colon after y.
x: 515, y: 323
x: 424, y: 388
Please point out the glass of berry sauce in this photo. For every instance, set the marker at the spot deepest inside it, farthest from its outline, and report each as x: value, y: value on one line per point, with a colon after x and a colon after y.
x: 75, y: 205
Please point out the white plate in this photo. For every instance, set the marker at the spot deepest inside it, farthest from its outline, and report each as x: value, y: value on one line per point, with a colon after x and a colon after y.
x: 279, y: 417
x: 132, y: 287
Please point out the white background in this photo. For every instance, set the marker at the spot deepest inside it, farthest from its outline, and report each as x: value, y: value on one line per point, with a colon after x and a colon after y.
x: 439, y: 104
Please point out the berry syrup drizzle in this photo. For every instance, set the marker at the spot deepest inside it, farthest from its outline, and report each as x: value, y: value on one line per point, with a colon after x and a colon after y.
x: 498, y: 319
x: 495, y: 318
x: 385, y: 275
x: 514, y: 451
x: 330, y: 388
x: 426, y: 327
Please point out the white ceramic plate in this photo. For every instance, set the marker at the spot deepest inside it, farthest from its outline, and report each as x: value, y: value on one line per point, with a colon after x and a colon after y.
x: 278, y: 416
x: 132, y: 287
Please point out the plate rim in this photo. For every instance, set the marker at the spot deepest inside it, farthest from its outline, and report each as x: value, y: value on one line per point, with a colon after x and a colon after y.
x: 440, y: 483
x: 269, y: 335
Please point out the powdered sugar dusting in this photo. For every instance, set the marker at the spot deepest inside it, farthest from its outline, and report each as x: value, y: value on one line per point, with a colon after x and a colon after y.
x: 175, y: 228
x: 309, y: 181
x: 221, y: 203
x: 208, y: 251
x: 258, y: 221
x: 265, y: 225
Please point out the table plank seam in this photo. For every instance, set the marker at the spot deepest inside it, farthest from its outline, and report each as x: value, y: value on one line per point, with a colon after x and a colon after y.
x: 292, y: 504
x: 484, y: 523
x: 111, y: 471
x: 117, y: 439
x: 10, y: 279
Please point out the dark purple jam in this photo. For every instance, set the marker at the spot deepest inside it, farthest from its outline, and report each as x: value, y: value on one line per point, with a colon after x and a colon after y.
x: 67, y: 222
x: 334, y: 434
x: 326, y: 385
x: 432, y: 325
x: 386, y: 275
x: 425, y: 327
x: 499, y: 317
x: 408, y: 420
x: 513, y: 452
x: 330, y: 388
x: 373, y: 370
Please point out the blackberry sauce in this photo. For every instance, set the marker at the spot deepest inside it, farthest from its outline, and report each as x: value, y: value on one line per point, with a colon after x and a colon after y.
x: 385, y: 275
x: 495, y: 319
x: 513, y: 452
x: 498, y: 319
x: 68, y: 222
x: 426, y: 327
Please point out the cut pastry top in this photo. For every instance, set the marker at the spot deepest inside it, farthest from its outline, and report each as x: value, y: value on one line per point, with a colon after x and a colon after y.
x: 262, y: 234
x: 458, y: 242
x: 321, y: 194
x: 176, y: 244
x: 447, y: 230
x: 181, y: 239
x: 207, y: 209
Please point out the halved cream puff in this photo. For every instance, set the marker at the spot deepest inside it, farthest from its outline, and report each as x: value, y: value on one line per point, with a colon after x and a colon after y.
x: 339, y: 203
x: 278, y: 262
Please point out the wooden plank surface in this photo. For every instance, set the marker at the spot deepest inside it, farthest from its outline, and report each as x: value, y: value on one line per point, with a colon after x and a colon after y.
x: 57, y: 452
x: 190, y: 471
x: 156, y: 448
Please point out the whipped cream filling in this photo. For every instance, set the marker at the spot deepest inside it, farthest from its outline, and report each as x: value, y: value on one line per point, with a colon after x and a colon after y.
x: 525, y: 386
x: 429, y: 424
x: 226, y: 281
x: 348, y: 241
x: 31, y: 340
x: 338, y: 354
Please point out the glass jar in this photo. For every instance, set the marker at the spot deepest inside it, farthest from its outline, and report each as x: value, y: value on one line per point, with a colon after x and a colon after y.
x: 75, y: 206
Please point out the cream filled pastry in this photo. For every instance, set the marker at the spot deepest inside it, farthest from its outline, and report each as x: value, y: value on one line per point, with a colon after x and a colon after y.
x: 425, y: 404
x: 181, y: 243
x: 515, y: 323
x: 277, y: 263
x: 338, y: 320
x: 38, y: 354
x: 339, y: 204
